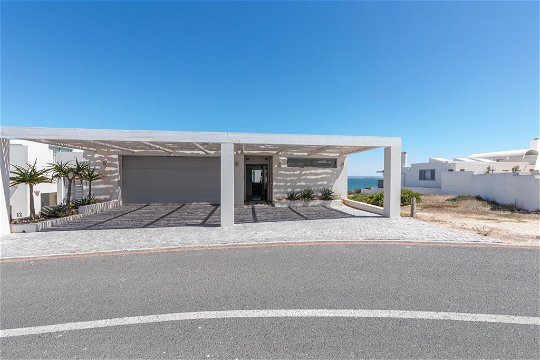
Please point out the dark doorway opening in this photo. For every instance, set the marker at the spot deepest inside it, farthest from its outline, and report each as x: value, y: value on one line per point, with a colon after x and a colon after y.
x: 256, y: 183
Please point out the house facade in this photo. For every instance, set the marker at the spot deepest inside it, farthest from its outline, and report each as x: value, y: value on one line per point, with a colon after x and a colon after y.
x: 142, y: 167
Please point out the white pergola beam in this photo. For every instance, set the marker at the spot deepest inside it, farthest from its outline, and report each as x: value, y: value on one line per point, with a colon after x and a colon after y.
x: 355, y: 150
x: 67, y: 146
x: 318, y: 150
x: 113, y: 146
x: 196, y: 137
x: 158, y: 147
x: 202, y: 148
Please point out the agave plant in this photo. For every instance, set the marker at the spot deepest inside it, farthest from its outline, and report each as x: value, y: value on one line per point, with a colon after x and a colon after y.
x: 84, y: 201
x: 307, y: 194
x: 327, y: 194
x: 292, y: 195
x: 56, y: 211
x: 30, y: 176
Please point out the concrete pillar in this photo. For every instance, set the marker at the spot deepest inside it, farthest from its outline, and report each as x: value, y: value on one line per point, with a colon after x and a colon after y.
x: 4, y: 197
x: 60, y: 191
x: 227, y: 184
x: 392, y: 181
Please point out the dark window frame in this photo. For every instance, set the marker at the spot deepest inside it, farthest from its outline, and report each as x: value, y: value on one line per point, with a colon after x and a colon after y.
x: 326, y: 163
x: 423, y: 174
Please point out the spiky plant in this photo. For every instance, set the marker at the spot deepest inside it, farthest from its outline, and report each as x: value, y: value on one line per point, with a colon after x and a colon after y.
x: 327, y: 194
x: 307, y: 194
x: 292, y: 195
x: 31, y: 176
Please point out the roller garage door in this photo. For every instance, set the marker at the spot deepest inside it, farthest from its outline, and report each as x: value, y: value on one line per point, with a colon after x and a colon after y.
x: 167, y: 180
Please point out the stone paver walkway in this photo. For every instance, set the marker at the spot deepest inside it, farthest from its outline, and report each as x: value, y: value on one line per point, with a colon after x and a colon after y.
x: 360, y: 226
x: 158, y: 216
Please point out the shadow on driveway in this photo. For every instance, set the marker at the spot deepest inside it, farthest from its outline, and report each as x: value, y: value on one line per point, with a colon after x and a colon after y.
x: 174, y: 215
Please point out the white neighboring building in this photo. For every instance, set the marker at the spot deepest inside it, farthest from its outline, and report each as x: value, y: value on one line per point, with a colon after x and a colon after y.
x: 22, y: 153
x: 468, y: 176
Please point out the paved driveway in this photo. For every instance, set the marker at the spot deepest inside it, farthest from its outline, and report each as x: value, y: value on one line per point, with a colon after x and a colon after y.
x: 140, y: 227
x: 157, y: 216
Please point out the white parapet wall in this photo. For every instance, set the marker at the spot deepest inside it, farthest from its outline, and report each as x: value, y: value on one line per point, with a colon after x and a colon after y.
x: 83, y: 211
x: 363, y: 206
x: 99, y: 207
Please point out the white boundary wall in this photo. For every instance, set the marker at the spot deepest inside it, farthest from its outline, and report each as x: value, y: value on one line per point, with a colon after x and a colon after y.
x: 521, y: 189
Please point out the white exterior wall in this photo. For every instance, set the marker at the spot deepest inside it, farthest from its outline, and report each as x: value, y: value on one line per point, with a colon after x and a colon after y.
x: 410, y: 175
x: 286, y: 178
x: 4, y: 180
x: 109, y: 187
x: 22, y: 153
x: 239, y: 179
x: 19, y: 197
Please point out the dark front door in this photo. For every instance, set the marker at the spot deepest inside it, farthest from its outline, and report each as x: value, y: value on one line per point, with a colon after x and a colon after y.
x: 256, y: 183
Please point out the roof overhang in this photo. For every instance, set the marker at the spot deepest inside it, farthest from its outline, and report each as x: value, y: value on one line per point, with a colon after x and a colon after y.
x: 182, y: 143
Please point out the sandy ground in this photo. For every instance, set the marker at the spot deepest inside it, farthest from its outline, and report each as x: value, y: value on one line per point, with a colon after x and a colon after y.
x: 480, y: 217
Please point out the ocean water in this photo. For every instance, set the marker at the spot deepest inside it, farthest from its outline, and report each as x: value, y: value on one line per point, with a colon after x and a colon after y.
x: 360, y: 182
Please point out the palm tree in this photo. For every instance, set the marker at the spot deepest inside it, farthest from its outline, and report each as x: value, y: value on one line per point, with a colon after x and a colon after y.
x: 91, y: 175
x: 79, y: 170
x: 30, y: 176
x: 63, y: 170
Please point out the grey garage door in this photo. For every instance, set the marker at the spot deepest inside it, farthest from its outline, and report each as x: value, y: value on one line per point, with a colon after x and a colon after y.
x: 166, y: 180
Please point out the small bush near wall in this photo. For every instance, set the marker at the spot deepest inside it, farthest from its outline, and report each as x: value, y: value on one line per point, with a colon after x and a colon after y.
x: 407, y: 195
x: 327, y: 194
x: 292, y: 195
x: 307, y: 194
x: 89, y: 200
x: 56, y: 211
x: 377, y: 199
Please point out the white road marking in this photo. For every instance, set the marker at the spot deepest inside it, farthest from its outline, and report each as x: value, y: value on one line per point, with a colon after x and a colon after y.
x: 287, y: 313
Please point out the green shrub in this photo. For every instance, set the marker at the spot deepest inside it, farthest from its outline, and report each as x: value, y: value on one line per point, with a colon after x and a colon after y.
x: 407, y: 195
x: 326, y: 194
x: 56, y: 211
x: 307, y: 194
x: 292, y: 195
x: 377, y: 199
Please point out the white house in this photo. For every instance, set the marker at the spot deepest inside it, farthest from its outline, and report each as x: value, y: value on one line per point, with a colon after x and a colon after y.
x: 513, y: 176
x: 217, y: 168
x: 22, y: 153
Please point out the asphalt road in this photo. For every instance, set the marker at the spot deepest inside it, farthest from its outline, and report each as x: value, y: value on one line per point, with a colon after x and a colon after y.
x: 426, y: 278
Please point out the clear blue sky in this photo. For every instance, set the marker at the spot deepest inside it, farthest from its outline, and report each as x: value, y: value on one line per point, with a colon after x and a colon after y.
x: 450, y: 78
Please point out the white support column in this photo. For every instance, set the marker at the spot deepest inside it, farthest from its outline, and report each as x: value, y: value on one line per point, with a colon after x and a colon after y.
x: 60, y: 190
x: 227, y: 184
x: 392, y: 181
x: 4, y: 197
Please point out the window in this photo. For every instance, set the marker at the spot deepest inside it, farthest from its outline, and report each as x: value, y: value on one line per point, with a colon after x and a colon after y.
x: 427, y: 174
x: 308, y: 162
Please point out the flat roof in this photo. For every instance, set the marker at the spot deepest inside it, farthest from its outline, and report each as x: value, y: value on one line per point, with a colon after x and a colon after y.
x: 149, y: 142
